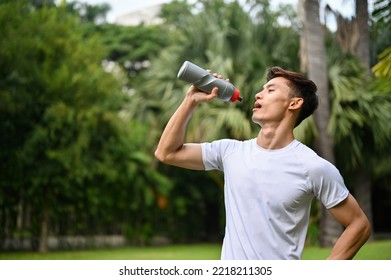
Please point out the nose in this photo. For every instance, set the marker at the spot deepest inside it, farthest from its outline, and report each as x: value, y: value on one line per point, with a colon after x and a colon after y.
x: 259, y: 95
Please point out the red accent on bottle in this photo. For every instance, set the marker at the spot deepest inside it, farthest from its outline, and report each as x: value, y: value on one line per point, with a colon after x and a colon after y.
x: 236, y: 96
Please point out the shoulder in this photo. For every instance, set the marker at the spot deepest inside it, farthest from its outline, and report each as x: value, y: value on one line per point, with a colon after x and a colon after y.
x: 221, y: 149
x: 315, y: 164
x: 324, y: 178
x: 214, y: 153
x: 225, y: 145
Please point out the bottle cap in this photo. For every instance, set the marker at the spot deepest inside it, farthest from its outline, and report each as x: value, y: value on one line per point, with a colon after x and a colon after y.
x: 236, y: 96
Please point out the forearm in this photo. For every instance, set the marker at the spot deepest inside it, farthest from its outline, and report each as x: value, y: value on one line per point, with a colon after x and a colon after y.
x: 173, y: 136
x: 351, y: 240
x: 171, y: 148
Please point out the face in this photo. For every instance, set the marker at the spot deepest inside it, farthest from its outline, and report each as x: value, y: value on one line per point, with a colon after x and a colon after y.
x: 272, y: 103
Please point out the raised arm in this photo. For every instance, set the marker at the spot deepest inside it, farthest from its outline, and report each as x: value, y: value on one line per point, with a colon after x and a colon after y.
x: 171, y: 148
x: 357, y: 229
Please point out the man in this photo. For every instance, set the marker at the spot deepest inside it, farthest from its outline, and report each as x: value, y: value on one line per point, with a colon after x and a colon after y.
x: 270, y: 180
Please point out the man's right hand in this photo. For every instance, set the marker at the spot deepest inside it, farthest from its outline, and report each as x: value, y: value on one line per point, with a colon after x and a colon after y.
x: 171, y: 148
x: 198, y: 96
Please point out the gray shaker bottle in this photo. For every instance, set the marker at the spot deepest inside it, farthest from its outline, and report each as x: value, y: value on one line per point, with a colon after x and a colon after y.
x: 205, y: 81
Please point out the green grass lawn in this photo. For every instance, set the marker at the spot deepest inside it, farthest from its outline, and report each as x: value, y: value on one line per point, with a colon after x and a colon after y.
x: 375, y: 250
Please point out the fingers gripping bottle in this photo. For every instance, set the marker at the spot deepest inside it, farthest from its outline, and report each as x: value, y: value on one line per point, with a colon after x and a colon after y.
x: 205, y: 81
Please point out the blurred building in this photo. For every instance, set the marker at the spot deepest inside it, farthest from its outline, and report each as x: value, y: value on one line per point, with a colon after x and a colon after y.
x: 147, y: 16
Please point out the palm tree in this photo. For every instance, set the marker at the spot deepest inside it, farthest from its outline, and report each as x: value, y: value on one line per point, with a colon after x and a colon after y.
x: 382, y: 18
x: 353, y: 38
x: 314, y: 62
x: 360, y: 124
x: 225, y: 38
x: 351, y: 85
x: 362, y: 51
x: 241, y: 45
x: 363, y: 182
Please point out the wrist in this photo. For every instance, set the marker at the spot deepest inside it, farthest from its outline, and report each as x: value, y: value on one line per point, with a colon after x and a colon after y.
x: 191, y: 101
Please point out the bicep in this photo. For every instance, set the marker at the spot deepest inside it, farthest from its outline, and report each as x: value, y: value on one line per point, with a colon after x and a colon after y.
x: 188, y: 156
x: 347, y: 211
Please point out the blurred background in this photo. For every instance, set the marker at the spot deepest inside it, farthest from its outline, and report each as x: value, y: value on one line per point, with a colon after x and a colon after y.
x: 86, y: 88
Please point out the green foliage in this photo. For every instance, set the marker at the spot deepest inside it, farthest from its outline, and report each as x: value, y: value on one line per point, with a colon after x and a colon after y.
x: 78, y: 141
x: 131, y: 46
x: 66, y: 146
x: 175, y: 12
x: 382, y: 10
x: 383, y: 67
x: 87, y: 13
x: 381, y: 36
x: 361, y: 115
x: 225, y: 38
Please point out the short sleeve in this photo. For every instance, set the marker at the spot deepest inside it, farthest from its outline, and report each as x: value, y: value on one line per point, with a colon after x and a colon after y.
x: 213, y: 153
x: 328, y: 184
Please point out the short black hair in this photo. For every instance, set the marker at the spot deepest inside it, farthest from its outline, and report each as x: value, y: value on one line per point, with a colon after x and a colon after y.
x: 300, y: 87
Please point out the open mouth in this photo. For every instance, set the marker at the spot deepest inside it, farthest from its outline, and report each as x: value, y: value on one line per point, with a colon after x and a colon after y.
x: 257, y: 106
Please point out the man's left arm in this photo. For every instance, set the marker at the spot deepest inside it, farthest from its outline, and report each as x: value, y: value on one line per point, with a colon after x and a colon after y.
x: 357, y: 229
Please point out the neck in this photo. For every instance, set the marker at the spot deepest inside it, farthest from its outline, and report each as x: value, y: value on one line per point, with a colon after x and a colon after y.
x: 275, y: 137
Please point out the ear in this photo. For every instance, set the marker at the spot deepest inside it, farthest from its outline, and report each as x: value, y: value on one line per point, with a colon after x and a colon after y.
x: 296, y: 103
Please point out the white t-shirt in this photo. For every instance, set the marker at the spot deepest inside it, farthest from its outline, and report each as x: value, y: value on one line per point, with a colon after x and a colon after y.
x: 268, y: 195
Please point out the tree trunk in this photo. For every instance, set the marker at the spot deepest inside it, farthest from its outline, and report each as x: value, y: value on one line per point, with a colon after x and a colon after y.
x: 19, y: 218
x: 363, y: 180
x: 43, y: 239
x: 363, y: 51
x: 315, y: 56
x: 362, y: 191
